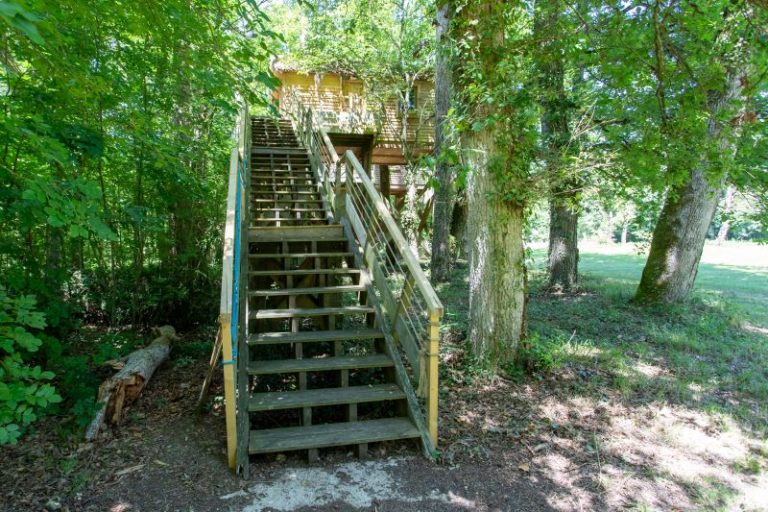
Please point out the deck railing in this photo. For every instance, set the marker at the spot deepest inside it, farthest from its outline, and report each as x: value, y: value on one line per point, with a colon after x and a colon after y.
x: 411, y: 310
x: 233, y: 310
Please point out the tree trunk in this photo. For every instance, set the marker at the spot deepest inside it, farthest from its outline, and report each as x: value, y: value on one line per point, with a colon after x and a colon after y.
x: 722, y: 233
x: 625, y: 233
x: 126, y: 385
x: 678, y: 239
x: 556, y: 136
x: 444, y: 193
x: 497, y: 274
x: 563, y: 245
x: 459, y: 226
x: 385, y: 182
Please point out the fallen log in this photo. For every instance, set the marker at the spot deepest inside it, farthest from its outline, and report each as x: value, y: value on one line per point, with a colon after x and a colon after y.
x: 126, y: 385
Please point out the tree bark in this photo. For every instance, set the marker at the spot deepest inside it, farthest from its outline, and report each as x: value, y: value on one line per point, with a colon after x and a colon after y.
x: 444, y: 193
x: 556, y: 136
x: 497, y: 273
x: 678, y: 239
x: 563, y: 245
x: 126, y: 385
x: 722, y: 233
x: 385, y: 182
x: 459, y: 226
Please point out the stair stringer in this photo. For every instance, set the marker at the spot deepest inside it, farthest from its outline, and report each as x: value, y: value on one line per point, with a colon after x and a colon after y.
x: 401, y: 376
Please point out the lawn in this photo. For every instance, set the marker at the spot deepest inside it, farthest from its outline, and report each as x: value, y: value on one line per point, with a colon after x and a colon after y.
x: 671, y: 399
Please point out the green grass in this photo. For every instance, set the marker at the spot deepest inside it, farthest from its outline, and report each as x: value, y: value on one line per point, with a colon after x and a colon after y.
x: 709, y: 353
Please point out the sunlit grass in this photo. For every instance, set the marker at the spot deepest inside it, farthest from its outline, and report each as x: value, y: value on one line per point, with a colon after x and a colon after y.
x: 709, y: 353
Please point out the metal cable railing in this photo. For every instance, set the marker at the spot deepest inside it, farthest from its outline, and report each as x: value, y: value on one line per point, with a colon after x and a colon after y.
x: 411, y: 309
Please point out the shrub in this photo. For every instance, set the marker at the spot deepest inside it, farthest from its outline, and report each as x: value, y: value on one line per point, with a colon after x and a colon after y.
x: 24, y: 392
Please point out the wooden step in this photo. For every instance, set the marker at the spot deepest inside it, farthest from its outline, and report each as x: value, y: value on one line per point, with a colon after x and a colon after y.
x: 288, y: 209
x: 283, y: 220
x: 269, y: 338
x: 301, y: 255
x: 287, y: 201
x: 316, y: 290
x: 269, y: 314
x: 274, y: 401
x: 322, y: 232
x: 306, y: 272
x: 268, y: 191
x: 319, y: 364
x: 330, y: 434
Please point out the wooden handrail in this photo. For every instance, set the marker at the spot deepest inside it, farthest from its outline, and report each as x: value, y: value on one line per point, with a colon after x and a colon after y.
x: 231, y: 308
x: 411, y: 308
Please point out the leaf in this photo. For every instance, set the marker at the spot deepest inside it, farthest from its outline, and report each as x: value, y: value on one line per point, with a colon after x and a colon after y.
x: 524, y: 467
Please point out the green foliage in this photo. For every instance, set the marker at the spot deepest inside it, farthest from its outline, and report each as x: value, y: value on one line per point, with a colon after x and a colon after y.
x: 24, y: 389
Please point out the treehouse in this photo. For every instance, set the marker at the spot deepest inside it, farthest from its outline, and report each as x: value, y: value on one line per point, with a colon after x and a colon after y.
x: 385, y: 130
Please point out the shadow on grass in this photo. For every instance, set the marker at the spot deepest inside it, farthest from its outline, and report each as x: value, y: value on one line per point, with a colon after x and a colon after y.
x: 597, y: 348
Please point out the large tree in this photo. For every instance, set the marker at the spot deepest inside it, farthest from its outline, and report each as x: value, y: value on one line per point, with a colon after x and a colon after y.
x: 445, y: 190
x: 556, y: 106
x: 497, y: 145
x: 676, y: 79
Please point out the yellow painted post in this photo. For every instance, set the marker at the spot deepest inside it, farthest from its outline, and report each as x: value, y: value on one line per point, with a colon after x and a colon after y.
x: 225, y: 321
x: 432, y: 396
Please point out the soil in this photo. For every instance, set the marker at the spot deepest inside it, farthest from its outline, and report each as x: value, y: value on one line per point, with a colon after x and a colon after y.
x: 537, y: 446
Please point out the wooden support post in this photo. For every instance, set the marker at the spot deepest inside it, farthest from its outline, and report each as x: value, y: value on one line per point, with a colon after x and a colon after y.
x: 225, y: 322
x: 433, y: 375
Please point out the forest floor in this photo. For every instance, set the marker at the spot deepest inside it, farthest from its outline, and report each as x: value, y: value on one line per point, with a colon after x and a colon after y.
x: 629, y: 409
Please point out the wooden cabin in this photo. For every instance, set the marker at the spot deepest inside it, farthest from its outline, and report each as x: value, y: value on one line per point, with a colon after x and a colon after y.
x: 359, y: 121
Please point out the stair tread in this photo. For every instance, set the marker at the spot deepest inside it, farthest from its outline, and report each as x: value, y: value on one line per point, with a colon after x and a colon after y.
x: 278, y: 292
x: 290, y: 219
x: 300, y: 255
x: 331, y: 434
x: 304, y: 272
x: 272, y: 401
x: 293, y: 210
x: 287, y: 200
x: 267, y: 338
x: 319, y: 364
x: 264, y: 314
x: 263, y: 191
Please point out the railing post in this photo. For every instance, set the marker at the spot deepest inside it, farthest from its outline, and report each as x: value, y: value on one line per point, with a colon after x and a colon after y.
x: 433, y: 375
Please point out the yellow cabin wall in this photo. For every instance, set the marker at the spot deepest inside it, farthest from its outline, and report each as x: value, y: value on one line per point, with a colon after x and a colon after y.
x: 342, y: 104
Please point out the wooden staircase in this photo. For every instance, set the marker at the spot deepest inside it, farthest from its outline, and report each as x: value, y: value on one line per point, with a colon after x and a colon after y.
x: 318, y: 369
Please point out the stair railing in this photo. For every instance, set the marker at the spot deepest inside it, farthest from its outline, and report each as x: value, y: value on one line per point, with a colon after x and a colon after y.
x: 411, y: 309
x: 233, y: 313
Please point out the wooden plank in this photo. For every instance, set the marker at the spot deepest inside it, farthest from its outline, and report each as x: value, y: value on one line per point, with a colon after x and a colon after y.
x: 225, y: 324
x: 331, y: 434
x: 301, y: 255
x: 411, y: 348
x: 272, y: 401
x: 433, y: 376
x: 355, y: 222
x: 266, y: 314
x: 228, y: 256
x: 319, y: 364
x: 305, y: 272
x: 314, y: 290
x: 327, y: 232
x: 269, y: 338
